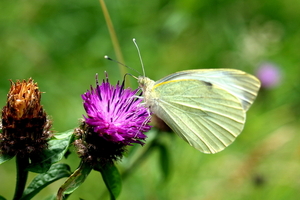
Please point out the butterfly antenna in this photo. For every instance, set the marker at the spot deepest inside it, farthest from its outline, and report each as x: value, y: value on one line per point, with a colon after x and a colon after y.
x: 108, y: 58
x: 137, y: 47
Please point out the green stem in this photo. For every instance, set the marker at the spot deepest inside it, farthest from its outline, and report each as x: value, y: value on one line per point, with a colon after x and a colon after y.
x: 113, y: 36
x: 137, y: 162
x: 22, y: 174
x: 146, y: 151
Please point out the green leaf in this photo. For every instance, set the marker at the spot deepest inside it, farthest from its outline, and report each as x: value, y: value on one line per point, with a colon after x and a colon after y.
x: 51, y: 197
x: 4, y: 158
x: 112, y: 180
x: 55, y: 173
x: 58, y: 146
x: 2, y: 198
x: 75, y: 180
x: 164, y: 160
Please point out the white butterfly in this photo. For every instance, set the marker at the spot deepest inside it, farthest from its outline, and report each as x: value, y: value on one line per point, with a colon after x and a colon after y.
x: 205, y: 107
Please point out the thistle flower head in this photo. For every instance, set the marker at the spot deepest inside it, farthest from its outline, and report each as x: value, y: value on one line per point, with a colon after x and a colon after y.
x: 115, y: 119
x: 25, y: 127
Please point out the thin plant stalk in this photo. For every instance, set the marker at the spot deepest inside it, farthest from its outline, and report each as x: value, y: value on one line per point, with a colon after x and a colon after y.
x: 113, y: 37
x: 22, y: 174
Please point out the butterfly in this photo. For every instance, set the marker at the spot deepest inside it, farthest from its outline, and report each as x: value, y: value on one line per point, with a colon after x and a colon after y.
x: 205, y: 107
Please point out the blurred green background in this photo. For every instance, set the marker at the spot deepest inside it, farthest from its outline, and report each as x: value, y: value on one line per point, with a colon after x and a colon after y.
x: 61, y: 44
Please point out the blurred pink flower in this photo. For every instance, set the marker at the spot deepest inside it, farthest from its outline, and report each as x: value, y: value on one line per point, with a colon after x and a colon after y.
x: 269, y: 75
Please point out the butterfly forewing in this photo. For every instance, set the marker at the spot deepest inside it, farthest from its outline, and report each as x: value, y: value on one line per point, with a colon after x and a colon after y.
x: 240, y: 84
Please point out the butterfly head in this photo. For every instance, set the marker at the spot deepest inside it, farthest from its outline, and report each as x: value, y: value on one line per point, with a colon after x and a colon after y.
x: 145, y: 83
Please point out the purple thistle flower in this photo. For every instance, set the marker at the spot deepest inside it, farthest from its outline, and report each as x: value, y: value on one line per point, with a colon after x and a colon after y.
x: 115, y: 114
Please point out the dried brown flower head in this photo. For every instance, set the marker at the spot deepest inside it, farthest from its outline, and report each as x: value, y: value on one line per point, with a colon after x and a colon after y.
x: 25, y: 127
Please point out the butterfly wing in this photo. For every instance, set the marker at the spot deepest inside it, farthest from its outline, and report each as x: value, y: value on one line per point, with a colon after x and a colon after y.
x: 206, y: 108
x: 238, y: 83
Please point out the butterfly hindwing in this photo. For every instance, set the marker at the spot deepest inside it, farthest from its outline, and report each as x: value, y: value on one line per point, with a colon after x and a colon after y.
x: 206, y: 116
